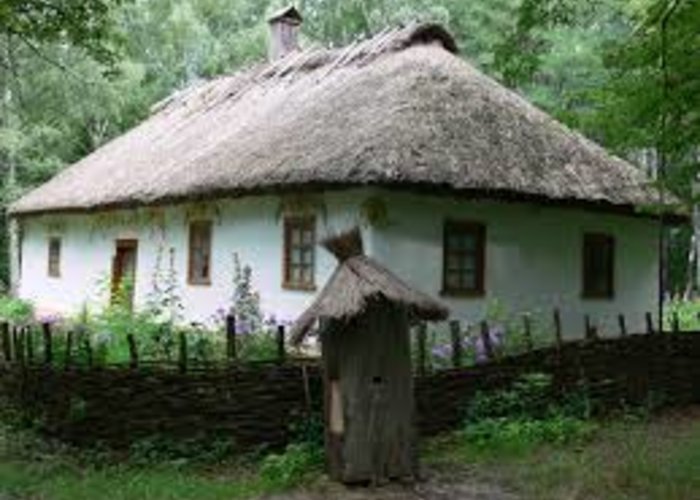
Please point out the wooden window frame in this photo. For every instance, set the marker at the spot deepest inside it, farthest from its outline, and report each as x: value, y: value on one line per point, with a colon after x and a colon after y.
x: 479, y: 231
x: 192, y: 279
x: 54, y: 261
x: 291, y: 223
x: 587, y: 292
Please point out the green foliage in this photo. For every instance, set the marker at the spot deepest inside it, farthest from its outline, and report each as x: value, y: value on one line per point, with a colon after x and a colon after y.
x: 15, y: 311
x: 84, y: 23
x: 687, y: 312
x: 199, y: 450
x: 527, y: 414
x: 296, y: 465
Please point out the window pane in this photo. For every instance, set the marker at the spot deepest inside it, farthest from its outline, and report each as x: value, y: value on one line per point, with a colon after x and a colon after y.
x: 598, y: 266
x: 463, y: 260
x: 200, y: 252
x: 299, y: 252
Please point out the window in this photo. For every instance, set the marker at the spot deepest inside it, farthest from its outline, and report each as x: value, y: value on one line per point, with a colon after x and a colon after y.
x: 463, y: 259
x: 598, y: 266
x: 199, y: 271
x: 299, y: 253
x: 55, y: 257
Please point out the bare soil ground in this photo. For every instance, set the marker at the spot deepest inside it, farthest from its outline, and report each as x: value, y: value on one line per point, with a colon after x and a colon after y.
x: 459, y: 485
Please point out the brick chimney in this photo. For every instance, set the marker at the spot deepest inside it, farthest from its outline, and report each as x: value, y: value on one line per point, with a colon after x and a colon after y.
x: 284, y: 31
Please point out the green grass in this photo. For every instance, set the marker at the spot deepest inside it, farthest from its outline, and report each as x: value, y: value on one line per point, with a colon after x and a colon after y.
x: 23, y: 480
x: 32, y: 468
x: 626, y: 460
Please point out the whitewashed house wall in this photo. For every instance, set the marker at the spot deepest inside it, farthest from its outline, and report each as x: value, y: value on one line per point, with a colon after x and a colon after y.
x: 533, y: 254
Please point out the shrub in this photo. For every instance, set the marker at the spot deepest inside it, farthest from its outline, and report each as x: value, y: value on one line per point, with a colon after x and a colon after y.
x: 16, y: 311
x: 285, y: 470
x: 526, y: 414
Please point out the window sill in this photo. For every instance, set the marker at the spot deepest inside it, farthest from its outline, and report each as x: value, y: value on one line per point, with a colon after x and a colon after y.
x: 298, y: 287
x: 463, y: 294
x: 587, y: 296
x: 201, y: 284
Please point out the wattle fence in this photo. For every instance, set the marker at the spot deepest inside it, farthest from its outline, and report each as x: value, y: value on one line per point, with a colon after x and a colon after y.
x: 255, y: 403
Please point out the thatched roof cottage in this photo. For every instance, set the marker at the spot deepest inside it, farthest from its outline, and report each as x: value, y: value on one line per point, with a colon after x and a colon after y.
x: 462, y: 188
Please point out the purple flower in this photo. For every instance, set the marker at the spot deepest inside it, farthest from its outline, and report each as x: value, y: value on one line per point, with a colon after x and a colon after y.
x: 480, y: 351
x: 270, y: 320
x: 243, y: 327
x: 497, y: 335
x: 441, y: 351
x: 50, y: 318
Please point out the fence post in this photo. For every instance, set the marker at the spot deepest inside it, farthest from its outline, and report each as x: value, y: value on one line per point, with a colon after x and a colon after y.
x: 88, y: 349
x: 16, y: 351
x: 69, y: 349
x: 421, y: 335
x: 48, y: 350
x: 623, y: 325
x: 30, y: 345
x: 675, y: 323
x: 456, y: 337
x: 486, y: 339
x: 591, y: 333
x: 19, y: 344
x: 650, y: 323
x: 6, y: 348
x: 231, y: 337
x: 557, y: 329
x: 281, y: 344
x: 133, y: 351
x: 527, y: 329
x: 182, y: 358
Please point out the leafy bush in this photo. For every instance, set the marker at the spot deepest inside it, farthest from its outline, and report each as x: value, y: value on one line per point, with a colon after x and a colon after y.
x: 293, y: 467
x: 687, y: 312
x: 201, y: 450
x: 528, y: 413
x: 15, y: 311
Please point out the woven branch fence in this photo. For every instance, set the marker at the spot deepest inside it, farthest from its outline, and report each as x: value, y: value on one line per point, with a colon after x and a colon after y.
x: 255, y: 403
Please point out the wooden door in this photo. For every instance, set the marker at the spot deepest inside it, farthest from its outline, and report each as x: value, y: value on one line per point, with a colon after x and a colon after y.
x: 124, y: 271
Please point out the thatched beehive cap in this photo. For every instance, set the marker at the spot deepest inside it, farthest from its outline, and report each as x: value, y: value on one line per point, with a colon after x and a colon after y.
x: 357, y: 281
x: 399, y: 110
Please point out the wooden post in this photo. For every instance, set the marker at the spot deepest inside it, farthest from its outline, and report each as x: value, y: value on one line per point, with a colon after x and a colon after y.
x: 6, y: 347
x: 623, y: 325
x: 456, y: 336
x: 19, y: 344
x: 591, y: 333
x: 182, y: 358
x: 231, y: 337
x: 527, y: 330
x: 486, y: 339
x: 48, y: 350
x: 281, y: 344
x: 16, y: 351
x: 30, y: 345
x: 650, y: 323
x: 88, y: 349
x: 421, y: 334
x: 69, y: 349
x: 557, y: 329
x: 675, y: 323
x: 133, y: 351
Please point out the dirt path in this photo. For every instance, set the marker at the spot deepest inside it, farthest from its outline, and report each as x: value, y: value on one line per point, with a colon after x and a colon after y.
x: 435, y: 488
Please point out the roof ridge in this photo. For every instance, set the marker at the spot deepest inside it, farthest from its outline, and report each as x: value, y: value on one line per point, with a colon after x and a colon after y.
x: 360, y: 51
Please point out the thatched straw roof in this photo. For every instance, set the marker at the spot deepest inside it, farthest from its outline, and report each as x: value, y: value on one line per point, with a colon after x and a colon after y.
x: 399, y: 110
x: 357, y: 282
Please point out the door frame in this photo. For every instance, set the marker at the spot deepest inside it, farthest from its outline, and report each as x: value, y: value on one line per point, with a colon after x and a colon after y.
x: 126, y: 244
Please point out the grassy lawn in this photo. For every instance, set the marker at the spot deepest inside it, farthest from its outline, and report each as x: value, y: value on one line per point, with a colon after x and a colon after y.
x: 629, y: 459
